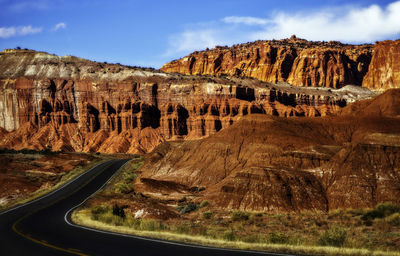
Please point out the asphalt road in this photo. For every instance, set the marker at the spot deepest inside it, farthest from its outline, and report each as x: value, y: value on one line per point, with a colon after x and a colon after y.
x: 41, y: 227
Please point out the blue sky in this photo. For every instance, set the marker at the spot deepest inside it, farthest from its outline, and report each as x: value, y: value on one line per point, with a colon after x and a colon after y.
x: 151, y: 33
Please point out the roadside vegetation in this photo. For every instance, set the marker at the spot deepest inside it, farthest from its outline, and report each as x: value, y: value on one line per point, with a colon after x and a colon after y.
x: 122, y: 183
x: 340, y: 232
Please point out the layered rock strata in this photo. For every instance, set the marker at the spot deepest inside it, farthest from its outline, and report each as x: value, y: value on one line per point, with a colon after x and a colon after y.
x: 68, y: 103
x: 300, y: 62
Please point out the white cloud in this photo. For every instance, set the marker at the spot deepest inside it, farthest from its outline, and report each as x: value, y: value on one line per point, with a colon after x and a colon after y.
x: 351, y: 24
x: 22, y: 6
x: 6, y: 32
x: 60, y: 25
x: 245, y: 20
x: 189, y: 41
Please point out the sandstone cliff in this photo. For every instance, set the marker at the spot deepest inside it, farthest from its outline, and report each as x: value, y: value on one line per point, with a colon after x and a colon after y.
x: 384, y: 70
x: 72, y: 104
x: 300, y: 62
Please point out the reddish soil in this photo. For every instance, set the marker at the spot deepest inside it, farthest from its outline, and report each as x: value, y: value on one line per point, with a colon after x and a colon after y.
x: 23, y: 174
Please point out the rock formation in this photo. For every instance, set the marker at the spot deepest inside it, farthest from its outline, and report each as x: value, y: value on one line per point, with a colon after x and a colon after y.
x: 300, y: 62
x: 72, y: 104
x: 266, y: 163
x: 384, y: 70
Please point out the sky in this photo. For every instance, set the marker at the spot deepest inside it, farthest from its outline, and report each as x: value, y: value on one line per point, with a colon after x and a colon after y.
x: 153, y: 32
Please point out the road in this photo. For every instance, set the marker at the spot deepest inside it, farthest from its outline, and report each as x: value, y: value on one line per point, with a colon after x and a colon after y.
x: 41, y: 227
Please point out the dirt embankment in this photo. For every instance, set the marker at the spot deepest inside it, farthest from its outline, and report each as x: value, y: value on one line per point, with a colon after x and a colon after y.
x: 276, y: 164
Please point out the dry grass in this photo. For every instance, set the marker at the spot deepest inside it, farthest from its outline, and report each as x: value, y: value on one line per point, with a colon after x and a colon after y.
x: 339, y: 232
x: 83, y: 217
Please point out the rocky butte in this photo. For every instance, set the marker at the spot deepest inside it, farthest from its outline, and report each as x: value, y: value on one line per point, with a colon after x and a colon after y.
x: 72, y: 104
x: 300, y: 62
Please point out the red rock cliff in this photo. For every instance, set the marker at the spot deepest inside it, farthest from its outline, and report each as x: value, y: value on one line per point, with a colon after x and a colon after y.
x: 384, y: 70
x: 301, y: 63
x: 295, y: 61
x: 68, y: 103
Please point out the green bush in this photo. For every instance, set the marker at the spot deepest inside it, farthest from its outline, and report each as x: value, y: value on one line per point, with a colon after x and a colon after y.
x: 118, y: 211
x: 100, y: 209
x: 129, y: 177
x: 109, y: 218
x: 335, y: 236
x: 136, y: 165
x: 387, y: 208
x: 123, y: 188
x: 380, y: 211
x: 207, y: 215
x: 204, y: 204
x: 277, y: 238
x: 239, y: 215
x: 188, y: 208
x: 393, y: 219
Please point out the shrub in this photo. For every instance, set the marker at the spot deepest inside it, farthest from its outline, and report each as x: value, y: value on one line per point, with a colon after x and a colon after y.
x: 188, y: 208
x: 381, y: 211
x: 123, y: 188
x: 136, y: 165
x: 393, y: 219
x: 129, y: 177
x: 277, y: 238
x: 101, y: 209
x: 207, y: 215
x: 356, y: 212
x: 239, y: 215
x: 335, y: 236
x: 118, y: 211
x: 387, y: 208
x: 204, y: 204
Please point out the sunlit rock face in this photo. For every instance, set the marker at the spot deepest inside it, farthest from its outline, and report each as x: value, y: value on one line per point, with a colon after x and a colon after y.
x: 384, y: 69
x: 301, y: 63
x: 69, y: 103
x: 295, y: 61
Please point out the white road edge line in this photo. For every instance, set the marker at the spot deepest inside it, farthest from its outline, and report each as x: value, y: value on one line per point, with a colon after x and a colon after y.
x: 52, y: 192
x: 156, y: 240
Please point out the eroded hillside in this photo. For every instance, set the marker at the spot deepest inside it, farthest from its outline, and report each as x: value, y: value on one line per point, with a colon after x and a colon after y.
x: 266, y: 163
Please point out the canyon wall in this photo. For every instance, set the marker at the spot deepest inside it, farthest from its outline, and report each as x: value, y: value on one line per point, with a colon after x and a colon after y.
x: 68, y: 103
x: 300, y: 63
x: 384, y: 70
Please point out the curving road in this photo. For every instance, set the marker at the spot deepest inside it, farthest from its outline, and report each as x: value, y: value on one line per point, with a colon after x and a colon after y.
x: 43, y: 226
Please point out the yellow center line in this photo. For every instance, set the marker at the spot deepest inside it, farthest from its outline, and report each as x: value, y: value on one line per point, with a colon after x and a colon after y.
x: 43, y: 242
